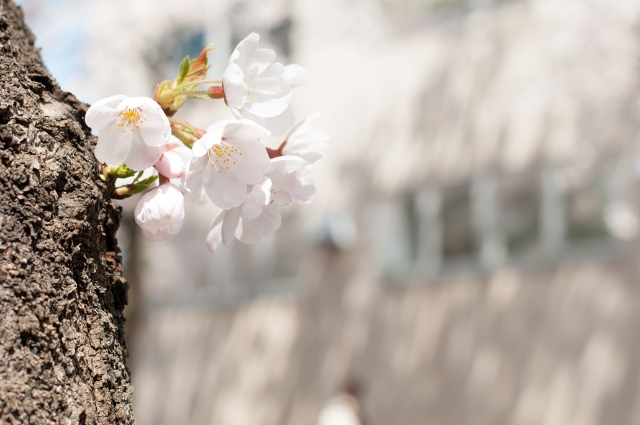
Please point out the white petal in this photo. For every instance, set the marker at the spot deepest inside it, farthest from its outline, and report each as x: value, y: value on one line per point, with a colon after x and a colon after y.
x: 235, y: 88
x: 214, y: 237
x: 278, y: 125
x: 268, y: 222
x: 141, y: 156
x: 156, y: 130
x: 246, y: 235
x: 103, y: 111
x: 268, y: 97
x: 284, y: 165
x: 304, y: 189
x: 132, y: 103
x: 194, y: 183
x: 244, y: 130
x: 250, y: 210
x: 306, y: 142
x: 291, y: 181
x: 244, y: 55
x: 264, y: 58
x: 258, y: 196
x: 295, y: 75
x: 202, y: 145
x: 229, y: 225
x: 222, y: 191
x: 113, y: 145
x: 261, y: 192
x: 275, y: 70
x: 251, y: 166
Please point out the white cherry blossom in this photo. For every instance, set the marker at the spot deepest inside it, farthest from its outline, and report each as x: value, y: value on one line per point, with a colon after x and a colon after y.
x: 133, y: 130
x: 259, y: 215
x: 259, y: 89
x: 291, y: 181
x: 227, y: 159
x: 253, y: 231
x: 228, y: 224
x: 160, y: 212
x: 306, y: 141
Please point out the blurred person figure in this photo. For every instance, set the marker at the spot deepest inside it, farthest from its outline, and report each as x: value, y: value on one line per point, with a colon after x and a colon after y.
x: 344, y: 408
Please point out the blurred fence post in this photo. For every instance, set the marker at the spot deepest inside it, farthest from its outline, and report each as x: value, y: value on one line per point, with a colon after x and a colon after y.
x: 429, y: 244
x: 486, y: 219
x: 553, y: 216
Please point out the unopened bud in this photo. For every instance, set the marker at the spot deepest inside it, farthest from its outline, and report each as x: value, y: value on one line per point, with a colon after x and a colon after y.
x: 121, y: 172
x: 164, y: 94
x: 129, y: 190
x: 197, y: 69
x: 170, y: 165
x: 215, y: 92
x: 124, y: 192
x: 186, y: 135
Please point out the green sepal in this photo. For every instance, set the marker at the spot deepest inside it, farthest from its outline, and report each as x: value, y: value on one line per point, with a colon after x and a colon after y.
x: 185, y: 65
x: 148, y: 180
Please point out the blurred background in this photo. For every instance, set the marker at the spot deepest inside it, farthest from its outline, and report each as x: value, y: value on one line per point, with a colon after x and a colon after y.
x: 472, y: 254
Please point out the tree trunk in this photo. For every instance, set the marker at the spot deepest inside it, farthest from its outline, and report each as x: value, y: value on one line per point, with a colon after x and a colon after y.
x: 62, y: 347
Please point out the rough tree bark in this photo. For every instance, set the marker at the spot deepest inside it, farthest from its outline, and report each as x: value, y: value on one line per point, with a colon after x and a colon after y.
x: 62, y: 348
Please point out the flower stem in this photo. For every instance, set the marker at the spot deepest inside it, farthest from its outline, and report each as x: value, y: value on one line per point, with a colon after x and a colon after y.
x: 184, y: 124
x: 191, y: 92
x: 195, y: 83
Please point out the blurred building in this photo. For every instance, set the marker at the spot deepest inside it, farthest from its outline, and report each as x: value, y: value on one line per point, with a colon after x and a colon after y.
x: 472, y: 254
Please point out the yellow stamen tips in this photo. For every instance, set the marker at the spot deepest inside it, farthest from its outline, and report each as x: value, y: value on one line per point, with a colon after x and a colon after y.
x: 221, y: 154
x: 271, y: 201
x: 168, y: 216
x: 254, y: 87
x: 248, y: 93
x: 130, y: 117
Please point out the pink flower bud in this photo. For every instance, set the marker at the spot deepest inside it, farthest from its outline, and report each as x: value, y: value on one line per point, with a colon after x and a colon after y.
x: 170, y: 165
x: 160, y: 212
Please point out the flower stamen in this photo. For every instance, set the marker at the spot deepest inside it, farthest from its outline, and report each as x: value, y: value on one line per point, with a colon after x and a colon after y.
x: 131, y: 118
x: 220, y: 155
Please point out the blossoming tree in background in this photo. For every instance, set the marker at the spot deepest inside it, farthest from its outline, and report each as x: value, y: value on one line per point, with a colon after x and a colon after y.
x: 142, y: 145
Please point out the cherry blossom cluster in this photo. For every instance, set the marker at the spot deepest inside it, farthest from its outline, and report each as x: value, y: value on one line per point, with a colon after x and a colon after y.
x: 143, y: 147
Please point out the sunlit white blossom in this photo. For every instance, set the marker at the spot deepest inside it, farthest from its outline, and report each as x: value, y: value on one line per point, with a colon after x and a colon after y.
x: 227, y: 159
x: 253, y: 231
x: 228, y: 224
x: 225, y: 223
x: 259, y: 89
x: 160, y: 212
x: 291, y: 181
x: 305, y: 141
x: 133, y: 130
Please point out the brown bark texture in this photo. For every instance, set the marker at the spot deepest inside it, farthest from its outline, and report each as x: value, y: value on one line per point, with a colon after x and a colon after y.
x: 62, y: 347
